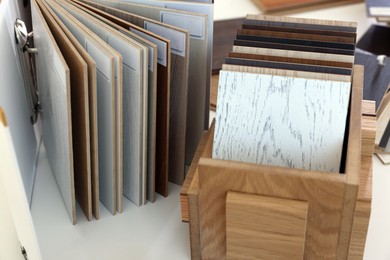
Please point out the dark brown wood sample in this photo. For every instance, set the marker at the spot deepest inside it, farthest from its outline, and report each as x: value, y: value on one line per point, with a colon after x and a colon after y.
x: 290, y: 60
x: 163, y: 97
x: 80, y: 116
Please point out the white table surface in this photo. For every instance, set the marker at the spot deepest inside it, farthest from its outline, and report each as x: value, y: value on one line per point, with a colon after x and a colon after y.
x: 155, y: 231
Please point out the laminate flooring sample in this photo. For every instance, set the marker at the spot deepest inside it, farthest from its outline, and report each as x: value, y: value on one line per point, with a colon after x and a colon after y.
x: 281, y: 121
x: 53, y: 77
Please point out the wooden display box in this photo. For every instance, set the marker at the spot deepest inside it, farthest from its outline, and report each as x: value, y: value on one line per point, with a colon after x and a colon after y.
x: 242, y: 210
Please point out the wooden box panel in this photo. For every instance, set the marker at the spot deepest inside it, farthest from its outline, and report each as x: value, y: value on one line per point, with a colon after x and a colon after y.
x: 331, y: 196
x: 259, y: 227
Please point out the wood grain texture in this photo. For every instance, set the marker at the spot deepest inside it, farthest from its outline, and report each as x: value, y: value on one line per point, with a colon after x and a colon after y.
x: 359, y: 230
x: 106, y: 59
x: 92, y: 110
x: 300, y: 36
x: 162, y: 98
x: 287, y: 73
x: 56, y: 106
x: 299, y: 124
x: 260, y: 227
x: 217, y: 177
x: 287, y: 66
x: 80, y: 116
x: 304, y: 23
x: 290, y: 60
x: 368, y: 108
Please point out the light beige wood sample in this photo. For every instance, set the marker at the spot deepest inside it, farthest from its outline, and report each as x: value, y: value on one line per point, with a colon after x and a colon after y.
x: 260, y: 227
x: 287, y: 73
x: 80, y: 116
x: 385, y: 158
x: 368, y: 108
x: 92, y: 110
x: 217, y: 177
x: 53, y: 77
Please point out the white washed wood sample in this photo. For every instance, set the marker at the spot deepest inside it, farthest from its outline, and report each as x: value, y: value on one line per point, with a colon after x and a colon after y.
x: 281, y: 121
x: 54, y: 89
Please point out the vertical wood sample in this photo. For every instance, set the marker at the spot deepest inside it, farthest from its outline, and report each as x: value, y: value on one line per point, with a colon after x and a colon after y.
x: 53, y: 78
x: 259, y: 227
x: 80, y: 116
x: 281, y: 121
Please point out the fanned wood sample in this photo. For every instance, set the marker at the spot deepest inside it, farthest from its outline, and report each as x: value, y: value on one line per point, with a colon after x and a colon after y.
x: 260, y: 227
x: 54, y: 87
x: 80, y: 116
x: 178, y: 91
x: 163, y: 91
x: 107, y: 60
x: 250, y: 128
x: 92, y: 110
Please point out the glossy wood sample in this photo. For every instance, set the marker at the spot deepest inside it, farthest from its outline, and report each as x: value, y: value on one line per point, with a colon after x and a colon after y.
x: 260, y: 227
x: 80, y: 116
x: 259, y: 136
x: 161, y: 99
x: 56, y: 102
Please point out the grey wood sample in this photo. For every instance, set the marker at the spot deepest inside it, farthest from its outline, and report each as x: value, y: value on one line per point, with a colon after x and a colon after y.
x: 163, y: 90
x: 134, y: 104
x: 178, y: 84
x: 105, y: 58
x: 80, y: 116
x: 54, y: 87
x: 281, y: 121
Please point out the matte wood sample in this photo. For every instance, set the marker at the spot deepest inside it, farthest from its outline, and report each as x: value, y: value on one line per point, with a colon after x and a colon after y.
x: 163, y: 92
x: 259, y: 227
x: 251, y: 128
x: 80, y: 116
x: 106, y: 59
x: 324, y: 239
x: 92, y: 108
x: 53, y: 78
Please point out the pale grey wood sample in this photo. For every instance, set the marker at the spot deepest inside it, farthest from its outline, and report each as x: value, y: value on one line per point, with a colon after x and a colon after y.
x: 151, y: 60
x: 104, y: 57
x: 281, y: 121
x: 198, y: 74
x: 54, y: 88
x: 135, y: 93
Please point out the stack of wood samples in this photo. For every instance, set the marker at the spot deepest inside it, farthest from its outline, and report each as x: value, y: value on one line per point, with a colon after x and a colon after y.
x: 118, y: 113
x: 284, y: 93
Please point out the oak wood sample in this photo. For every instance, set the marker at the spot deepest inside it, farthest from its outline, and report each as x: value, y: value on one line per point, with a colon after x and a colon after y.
x: 56, y: 104
x: 107, y: 60
x: 162, y: 99
x: 217, y: 177
x: 260, y: 227
x: 80, y: 116
x: 259, y: 138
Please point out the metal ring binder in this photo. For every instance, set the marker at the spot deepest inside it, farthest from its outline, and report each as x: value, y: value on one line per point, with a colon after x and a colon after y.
x: 23, y: 40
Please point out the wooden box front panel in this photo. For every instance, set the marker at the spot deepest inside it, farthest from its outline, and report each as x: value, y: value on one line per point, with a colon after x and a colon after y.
x: 259, y: 227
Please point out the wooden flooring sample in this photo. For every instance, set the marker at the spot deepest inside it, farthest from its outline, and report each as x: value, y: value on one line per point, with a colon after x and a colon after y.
x: 259, y: 227
x: 53, y: 77
x: 80, y: 116
x: 163, y: 89
x: 304, y: 130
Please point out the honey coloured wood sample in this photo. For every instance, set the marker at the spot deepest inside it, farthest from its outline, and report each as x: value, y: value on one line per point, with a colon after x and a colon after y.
x: 80, y: 116
x: 310, y: 117
x: 260, y: 227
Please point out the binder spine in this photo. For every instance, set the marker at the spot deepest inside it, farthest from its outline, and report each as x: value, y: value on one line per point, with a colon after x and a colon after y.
x: 24, y: 41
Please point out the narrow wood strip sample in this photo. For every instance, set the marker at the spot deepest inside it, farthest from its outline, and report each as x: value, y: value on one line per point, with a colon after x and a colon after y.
x: 290, y: 60
x: 80, y: 116
x: 304, y: 23
x: 258, y: 227
x: 287, y: 73
x: 288, y: 66
x: 344, y: 59
x: 314, y: 36
x: 163, y: 97
x: 311, y: 43
x: 291, y: 47
x: 252, y: 26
